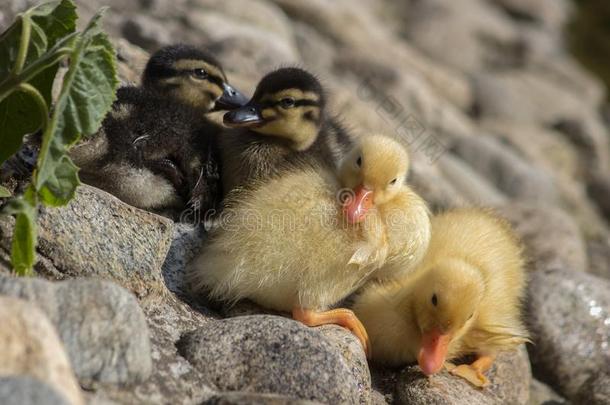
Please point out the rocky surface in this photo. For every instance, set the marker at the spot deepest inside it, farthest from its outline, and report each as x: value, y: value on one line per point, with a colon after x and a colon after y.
x: 509, y: 384
x: 100, y: 324
x: 250, y: 353
x: 569, y: 318
x: 30, y: 347
x: 494, y: 111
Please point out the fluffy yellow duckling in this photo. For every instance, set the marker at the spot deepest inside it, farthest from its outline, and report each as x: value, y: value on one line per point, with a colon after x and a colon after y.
x: 294, y: 243
x: 465, y: 297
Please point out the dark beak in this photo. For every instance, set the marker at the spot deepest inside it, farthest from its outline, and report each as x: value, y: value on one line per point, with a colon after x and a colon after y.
x: 230, y: 99
x: 246, y: 116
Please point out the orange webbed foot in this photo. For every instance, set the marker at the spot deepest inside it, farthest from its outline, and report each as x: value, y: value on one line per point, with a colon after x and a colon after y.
x: 340, y: 316
x: 473, y: 373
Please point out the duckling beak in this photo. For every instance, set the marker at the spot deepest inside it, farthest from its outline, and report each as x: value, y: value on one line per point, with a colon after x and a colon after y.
x: 433, y: 351
x: 246, y: 116
x: 231, y: 98
x: 355, y: 207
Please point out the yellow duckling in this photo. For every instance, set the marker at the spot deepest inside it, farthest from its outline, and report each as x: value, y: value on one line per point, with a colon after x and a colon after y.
x: 465, y: 297
x: 294, y: 243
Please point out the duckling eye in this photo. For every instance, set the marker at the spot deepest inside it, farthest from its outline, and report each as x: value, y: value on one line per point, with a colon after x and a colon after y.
x: 359, y: 161
x: 471, y: 315
x: 287, y: 102
x: 434, y: 300
x: 393, y: 182
x: 200, y: 73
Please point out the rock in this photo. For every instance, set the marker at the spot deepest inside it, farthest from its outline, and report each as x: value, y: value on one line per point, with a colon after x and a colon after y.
x: 551, y: 13
x: 598, y: 251
x: 551, y: 237
x: 509, y: 172
x: 96, y: 235
x: 509, y: 376
x: 270, y: 354
x: 248, y: 398
x: 100, y: 324
x: 595, y: 391
x: 542, y: 394
x: 475, y: 35
x: 186, y: 243
x: 146, y: 32
x: 599, y: 190
x: 29, y: 346
x: 568, y: 314
x: 25, y: 390
x: 473, y: 187
x: 132, y: 61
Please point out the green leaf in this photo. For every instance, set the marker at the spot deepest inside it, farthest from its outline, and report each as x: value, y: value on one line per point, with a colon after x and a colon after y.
x: 23, y: 249
x: 87, y: 94
x: 46, y: 25
x: 19, y: 114
x: 4, y: 192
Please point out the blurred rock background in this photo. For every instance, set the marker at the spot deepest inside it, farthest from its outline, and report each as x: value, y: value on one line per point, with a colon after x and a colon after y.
x: 496, y: 111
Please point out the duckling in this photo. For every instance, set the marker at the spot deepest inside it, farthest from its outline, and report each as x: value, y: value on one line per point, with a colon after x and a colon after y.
x: 309, y: 236
x: 284, y: 120
x: 156, y: 146
x: 464, y: 298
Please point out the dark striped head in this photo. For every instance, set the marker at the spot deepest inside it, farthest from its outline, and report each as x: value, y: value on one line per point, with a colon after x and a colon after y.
x: 288, y: 103
x: 192, y: 76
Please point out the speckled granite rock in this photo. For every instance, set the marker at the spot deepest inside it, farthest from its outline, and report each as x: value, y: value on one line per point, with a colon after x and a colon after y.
x: 25, y: 390
x: 29, y: 346
x: 247, y: 398
x: 569, y: 318
x: 96, y: 235
x: 270, y: 354
x: 99, y: 323
x: 509, y: 376
x: 551, y: 237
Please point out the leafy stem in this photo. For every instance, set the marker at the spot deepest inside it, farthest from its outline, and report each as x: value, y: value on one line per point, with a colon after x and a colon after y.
x: 24, y: 43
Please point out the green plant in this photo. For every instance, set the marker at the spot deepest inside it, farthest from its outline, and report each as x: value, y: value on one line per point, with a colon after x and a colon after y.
x: 31, y: 51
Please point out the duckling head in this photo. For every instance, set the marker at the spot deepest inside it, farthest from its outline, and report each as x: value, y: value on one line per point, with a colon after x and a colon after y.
x: 375, y: 170
x: 444, y: 307
x: 192, y: 77
x: 287, y: 104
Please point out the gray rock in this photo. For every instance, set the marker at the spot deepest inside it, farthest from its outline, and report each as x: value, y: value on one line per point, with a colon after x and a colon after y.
x: 509, y: 376
x: 542, y: 394
x: 96, y: 235
x: 185, y: 245
x: 509, y: 172
x: 475, y: 35
x: 25, y: 390
x: 100, y: 324
x: 551, y: 13
x: 173, y: 376
x: 146, y: 32
x: 599, y: 256
x: 29, y: 346
x: 595, y: 391
x: 270, y: 354
x: 248, y: 398
x: 551, y: 237
x: 569, y: 319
